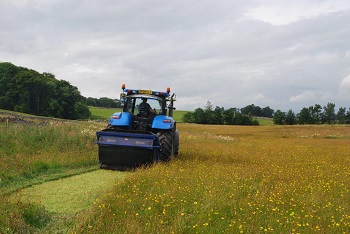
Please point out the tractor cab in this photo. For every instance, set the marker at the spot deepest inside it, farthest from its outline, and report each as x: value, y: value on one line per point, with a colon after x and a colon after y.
x: 143, y: 109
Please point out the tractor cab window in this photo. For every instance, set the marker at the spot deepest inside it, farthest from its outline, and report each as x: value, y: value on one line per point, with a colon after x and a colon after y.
x: 149, y: 105
x: 141, y: 105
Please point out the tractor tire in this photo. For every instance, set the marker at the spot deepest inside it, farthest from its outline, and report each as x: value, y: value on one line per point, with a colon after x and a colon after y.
x: 176, y: 143
x: 166, y: 144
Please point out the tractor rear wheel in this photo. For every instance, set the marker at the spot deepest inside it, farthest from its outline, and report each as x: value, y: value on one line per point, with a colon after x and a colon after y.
x: 166, y: 144
x: 176, y: 143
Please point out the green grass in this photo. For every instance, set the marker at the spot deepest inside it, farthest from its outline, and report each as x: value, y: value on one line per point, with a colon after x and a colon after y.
x: 178, y: 114
x: 73, y: 194
x: 100, y: 113
x: 265, y: 121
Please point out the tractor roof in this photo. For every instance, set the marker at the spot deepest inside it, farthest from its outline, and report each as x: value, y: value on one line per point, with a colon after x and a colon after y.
x: 147, y: 92
x: 147, y: 96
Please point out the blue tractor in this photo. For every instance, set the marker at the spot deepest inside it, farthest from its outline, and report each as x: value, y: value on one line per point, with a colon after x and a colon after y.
x: 143, y: 133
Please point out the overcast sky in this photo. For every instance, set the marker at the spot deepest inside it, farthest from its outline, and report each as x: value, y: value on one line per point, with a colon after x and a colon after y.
x: 283, y: 54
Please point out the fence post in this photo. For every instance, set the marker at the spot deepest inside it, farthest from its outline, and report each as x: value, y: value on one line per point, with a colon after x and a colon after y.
x: 7, y: 123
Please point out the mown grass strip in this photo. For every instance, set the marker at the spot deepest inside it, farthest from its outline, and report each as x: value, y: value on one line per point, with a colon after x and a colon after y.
x: 73, y: 194
x: 21, y: 182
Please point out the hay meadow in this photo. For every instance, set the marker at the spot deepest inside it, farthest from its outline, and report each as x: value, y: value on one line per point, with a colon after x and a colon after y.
x: 226, y: 179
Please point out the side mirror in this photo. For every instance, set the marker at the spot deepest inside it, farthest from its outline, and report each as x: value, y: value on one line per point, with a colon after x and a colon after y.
x: 122, y: 95
x: 122, y: 98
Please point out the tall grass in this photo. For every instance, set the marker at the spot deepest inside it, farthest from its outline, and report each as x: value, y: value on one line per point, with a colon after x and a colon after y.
x: 226, y: 179
x: 274, y: 179
x: 27, y: 150
x: 31, y: 153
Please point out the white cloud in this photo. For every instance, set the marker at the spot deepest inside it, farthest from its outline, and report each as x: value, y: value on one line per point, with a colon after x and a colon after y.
x: 344, y: 87
x: 290, y: 11
x: 222, y: 51
x: 304, y: 96
x: 309, y: 97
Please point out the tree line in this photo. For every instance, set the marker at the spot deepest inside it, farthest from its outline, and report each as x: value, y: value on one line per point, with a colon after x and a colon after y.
x: 104, y: 102
x: 313, y: 115
x: 220, y: 116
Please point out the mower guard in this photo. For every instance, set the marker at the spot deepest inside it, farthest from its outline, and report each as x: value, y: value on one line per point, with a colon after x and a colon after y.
x: 127, y: 149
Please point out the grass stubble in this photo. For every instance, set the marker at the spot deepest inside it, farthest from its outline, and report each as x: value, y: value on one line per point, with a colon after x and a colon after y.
x: 262, y: 179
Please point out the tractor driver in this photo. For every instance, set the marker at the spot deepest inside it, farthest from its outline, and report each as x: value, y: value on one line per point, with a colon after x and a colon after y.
x: 144, y: 106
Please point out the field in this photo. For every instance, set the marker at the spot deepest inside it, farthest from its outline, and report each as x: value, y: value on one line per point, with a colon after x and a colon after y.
x: 237, y: 180
x: 226, y: 179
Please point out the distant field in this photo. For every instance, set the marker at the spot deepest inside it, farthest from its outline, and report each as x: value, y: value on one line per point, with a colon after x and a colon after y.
x: 265, y: 121
x: 101, y: 112
x: 104, y: 113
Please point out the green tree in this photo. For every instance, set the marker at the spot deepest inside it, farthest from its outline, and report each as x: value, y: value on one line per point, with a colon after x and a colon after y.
x: 242, y: 119
x: 290, y: 118
x: 229, y: 116
x: 218, y: 117
x: 329, y: 113
x: 198, y: 116
x: 304, y: 116
x: 7, y: 72
x: 28, y: 91
x: 279, y: 117
x: 91, y: 101
x: 208, y: 113
x: 81, y: 111
x: 107, y: 102
x: 267, y: 112
x: 316, y: 114
x: 23, y: 91
x: 348, y: 117
x: 188, y: 117
x: 66, y: 96
x: 252, y: 109
x: 341, y: 115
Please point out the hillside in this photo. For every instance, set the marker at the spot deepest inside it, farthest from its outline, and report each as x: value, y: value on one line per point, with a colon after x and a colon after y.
x: 27, y: 91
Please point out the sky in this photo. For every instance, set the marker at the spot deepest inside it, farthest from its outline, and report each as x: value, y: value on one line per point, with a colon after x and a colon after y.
x: 285, y: 54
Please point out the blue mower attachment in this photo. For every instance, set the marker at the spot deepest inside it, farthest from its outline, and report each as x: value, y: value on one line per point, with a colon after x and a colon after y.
x: 127, y: 149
